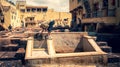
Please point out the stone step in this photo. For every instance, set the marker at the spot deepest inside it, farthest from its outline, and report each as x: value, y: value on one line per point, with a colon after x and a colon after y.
x: 101, y: 43
x: 20, y: 53
x: 113, y: 58
x: 107, y: 49
x: 11, y: 63
x: 11, y: 56
x: 15, y: 40
x: 7, y: 55
x: 9, y: 47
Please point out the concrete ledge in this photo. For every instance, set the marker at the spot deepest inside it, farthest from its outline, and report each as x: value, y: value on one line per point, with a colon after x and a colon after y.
x: 29, y: 47
x: 89, y: 46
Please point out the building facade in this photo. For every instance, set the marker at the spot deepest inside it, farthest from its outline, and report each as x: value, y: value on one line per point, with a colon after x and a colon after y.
x: 31, y: 16
x: 22, y: 15
x: 93, y: 13
x: 9, y: 16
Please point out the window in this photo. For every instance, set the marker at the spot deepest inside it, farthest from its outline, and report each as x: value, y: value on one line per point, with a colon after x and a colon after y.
x: 105, y: 3
x: 44, y: 9
x: 22, y: 10
x: 33, y: 9
x: 96, y: 6
x: 31, y: 19
x: 113, y: 2
x: 66, y: 19
x: 38, y: 9
x: 28, y: 10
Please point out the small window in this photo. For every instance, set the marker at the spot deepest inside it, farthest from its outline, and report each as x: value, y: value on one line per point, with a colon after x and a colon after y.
x: 28, y: 10
x: 33, y: 9
x: 66, y: 19
x: 38, y: 9
x: 22, y: 10
x: 113, y: 2
x: 44, y: 9
x: 105, y: 3
x: 31, y: 19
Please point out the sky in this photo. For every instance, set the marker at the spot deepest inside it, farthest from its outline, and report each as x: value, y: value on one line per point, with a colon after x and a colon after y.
x: 57, y: 5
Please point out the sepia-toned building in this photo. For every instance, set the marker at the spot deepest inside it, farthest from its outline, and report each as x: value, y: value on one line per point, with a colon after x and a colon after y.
x: 93, y: 13
x: 23, y: 15
x: 9, y: 15
x: 31, y: 16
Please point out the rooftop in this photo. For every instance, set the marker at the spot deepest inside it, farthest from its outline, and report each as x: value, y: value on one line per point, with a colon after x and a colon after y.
x: 36, y: 7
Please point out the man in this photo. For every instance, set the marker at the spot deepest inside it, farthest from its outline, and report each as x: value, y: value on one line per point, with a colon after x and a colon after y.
x: 50, y: 27
x: 44, y: 27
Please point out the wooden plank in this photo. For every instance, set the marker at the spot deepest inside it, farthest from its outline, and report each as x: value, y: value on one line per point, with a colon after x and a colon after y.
x: 1, y: 54
x: 10, y: 45
x: 8, y: 55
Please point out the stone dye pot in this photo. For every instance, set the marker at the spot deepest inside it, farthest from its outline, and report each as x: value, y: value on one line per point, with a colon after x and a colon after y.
x: 64, y: 49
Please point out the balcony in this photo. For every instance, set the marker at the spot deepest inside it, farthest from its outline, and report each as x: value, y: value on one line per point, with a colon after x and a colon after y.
x: 100, y: 19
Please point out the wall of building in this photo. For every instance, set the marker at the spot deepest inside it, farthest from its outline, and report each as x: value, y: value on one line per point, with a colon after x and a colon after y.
x: 11, y: 16
x: 15, y: 19
x: 118, y: 11
x: 118, y: 15
x: 7, y: 20
x: 48, y: 16
x: 41, y: 15
x: 15, y: 16
x: 96, y: 11
x: 111, y: 5
x: 74, y: 4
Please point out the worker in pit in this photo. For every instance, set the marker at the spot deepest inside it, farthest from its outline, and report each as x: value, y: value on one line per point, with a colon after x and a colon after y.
x: 43, y: 27
x: 50, y: 28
